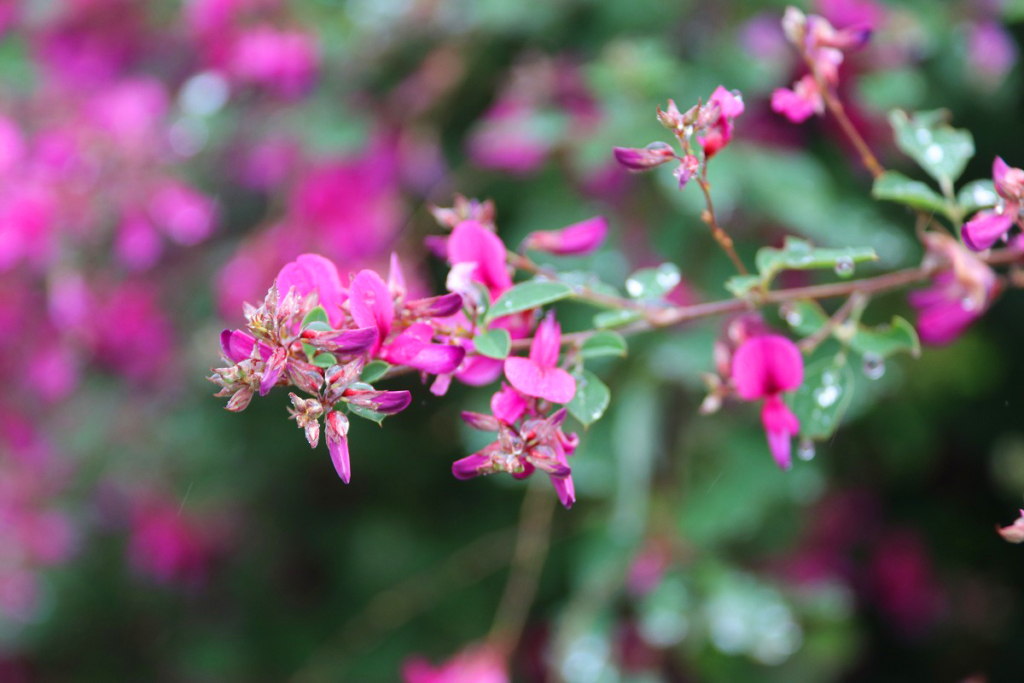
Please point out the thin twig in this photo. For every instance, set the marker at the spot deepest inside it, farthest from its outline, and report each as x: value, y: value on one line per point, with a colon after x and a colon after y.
x: 708, y: 216
x: 531, y: 550
x: 835, y: 106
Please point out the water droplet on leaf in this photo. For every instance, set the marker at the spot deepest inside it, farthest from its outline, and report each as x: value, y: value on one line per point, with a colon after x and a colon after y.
x: 874, y: 366
x: 805, y: 450
x: 844, y: 266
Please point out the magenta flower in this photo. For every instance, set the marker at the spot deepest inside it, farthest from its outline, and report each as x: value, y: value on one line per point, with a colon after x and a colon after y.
x: 956, y: 298
x: 478, y: 664
x: 539, y: 375
x: 284, y: 62
x: 372, y: 305
x: 573, y: 240
x: 763, y: 367
x: 312, y: 273
x: 414, y: 348
x: 470, y: 242
x: 800, y: 103
x: 988, y: 227
x: 717, y: 118
x: 539, y: 443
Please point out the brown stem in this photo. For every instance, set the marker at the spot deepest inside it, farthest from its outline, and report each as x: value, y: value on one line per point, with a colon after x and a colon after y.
x: 835, y: 106
x: 717, y: 232
x: 528, y: 558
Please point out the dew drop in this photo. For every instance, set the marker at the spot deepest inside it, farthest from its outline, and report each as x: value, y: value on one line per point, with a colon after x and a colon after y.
x: 793, y: 317
x: 874, y: 366
x: 805, y: 450
x: 826, y: 396
x: 924, y: 136
x: 844, y: 266
x: 968, y: 304
x: 1000, y: 208
x: 933, y: 153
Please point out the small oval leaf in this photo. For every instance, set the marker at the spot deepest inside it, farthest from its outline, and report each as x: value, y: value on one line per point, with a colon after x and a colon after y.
x: 493, y: 343
x: 591, y: 399
x: 604, y: 343
x: 528, y: 295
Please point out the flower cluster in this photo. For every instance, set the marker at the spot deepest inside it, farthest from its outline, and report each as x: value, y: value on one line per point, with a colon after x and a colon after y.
x: 711, y: 123
x: 313, y: 333
x: 823, y: 47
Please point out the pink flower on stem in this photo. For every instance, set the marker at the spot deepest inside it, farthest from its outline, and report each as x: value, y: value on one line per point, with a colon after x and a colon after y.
x: 717, y: 117
x: 765, y: 366
x: 478, y: 664
x: 539, y: 375
x: 573, y: 240
x: 644, y: 158
x: 956, y: 298
x: 312, y: 273
x: 988, y: 227
x: 337, y: 444
x: 470, y: 242
x: 800, y: 103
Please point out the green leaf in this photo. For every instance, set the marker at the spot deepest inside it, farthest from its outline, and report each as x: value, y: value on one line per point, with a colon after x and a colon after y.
x: 367, y: 413
x: 324, y: 360
x: 373, y: 371
x: 798, y: 254
x: 653, y: 283
x: 740, y: 285
x: 883, y: 341
x: 896, y: 187
x: 309, y: 350
x: 603, y: 344
x: 493, y: 343
x: 805, y: 316
x: 938, y: 148
x: 822, y: 399
x: 316, y: 319
x: 620, y: 318
x: 591, y: 399
x: 977, y: 194
x: 528, y: 295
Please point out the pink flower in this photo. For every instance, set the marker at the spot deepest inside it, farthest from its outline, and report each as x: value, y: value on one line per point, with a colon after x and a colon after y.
x: 187, y: 216
x: 957, y: 297
x: 470, y: 242
x: 1015, y: 532
x: 573, y: 240
x: 723, y: 106
x: 167, y: 546
x: 478, y: 664
x: 283, y: 61
x: 538, y: 375
x: 763, y: 367
x: 372, y: 305
x: 991, y: 51
x: 312, y: 273
x: 800, y: 103
x: 508, y: 138
x: 988, y: 227
x: 538, y: 443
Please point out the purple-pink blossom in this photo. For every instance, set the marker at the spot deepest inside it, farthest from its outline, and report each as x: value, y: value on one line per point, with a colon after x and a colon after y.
x: 573, y: 240
x: 475, y: 664
x: 990, y: 226
x: 764, y: 367
x: 539, y: 375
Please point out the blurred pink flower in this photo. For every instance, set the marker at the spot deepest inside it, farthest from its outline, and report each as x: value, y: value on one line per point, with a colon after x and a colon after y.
x: 988, y: 227
x: 991, y: 51
x: 166, y: 544
x: 573, y: 240
x: 475, y: 664
x: 283, y: 61
x: 800, y: 103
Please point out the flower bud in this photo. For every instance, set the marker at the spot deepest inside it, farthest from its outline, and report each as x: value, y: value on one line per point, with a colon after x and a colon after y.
x: 686, y: 169
x: 574, y: 240
x: 644, y: 158
x: 794, y: 25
